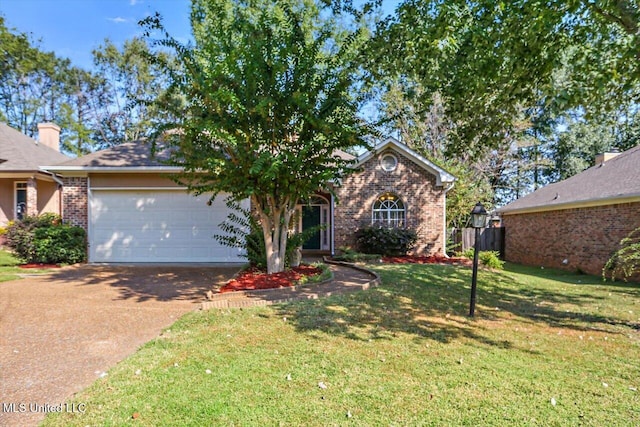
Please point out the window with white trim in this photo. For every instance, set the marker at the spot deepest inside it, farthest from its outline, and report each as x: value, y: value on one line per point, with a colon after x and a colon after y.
x: 388, y: 211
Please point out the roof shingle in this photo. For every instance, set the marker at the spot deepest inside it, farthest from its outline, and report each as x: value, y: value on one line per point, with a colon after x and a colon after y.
x: 132, y: 154
x: 21, y: 153
x: 604, y: 183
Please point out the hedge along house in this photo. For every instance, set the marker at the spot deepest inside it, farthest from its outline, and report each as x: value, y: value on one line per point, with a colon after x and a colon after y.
x: 134, y: 212
x: 25, y: 189
x: 577, y: 224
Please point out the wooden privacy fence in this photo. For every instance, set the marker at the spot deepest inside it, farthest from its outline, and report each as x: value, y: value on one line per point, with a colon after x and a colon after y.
x: 491, y: 239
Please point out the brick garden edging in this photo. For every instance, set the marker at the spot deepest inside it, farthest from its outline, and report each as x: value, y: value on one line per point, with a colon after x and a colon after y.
x: 264, y: 297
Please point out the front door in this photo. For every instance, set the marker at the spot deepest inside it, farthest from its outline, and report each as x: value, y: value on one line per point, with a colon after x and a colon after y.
x: 21, y: 200
x: 311, y: 217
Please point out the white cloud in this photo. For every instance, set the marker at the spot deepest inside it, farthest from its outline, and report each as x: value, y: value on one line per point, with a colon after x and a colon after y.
x: 134, y: 2
x: 118, y: 20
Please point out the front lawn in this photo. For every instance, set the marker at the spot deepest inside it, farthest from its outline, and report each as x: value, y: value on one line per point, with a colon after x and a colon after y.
x: 546, y: 348
x: 9, y: 269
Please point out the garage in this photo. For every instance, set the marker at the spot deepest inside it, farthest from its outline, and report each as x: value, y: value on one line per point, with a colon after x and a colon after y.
x: 159, y: 225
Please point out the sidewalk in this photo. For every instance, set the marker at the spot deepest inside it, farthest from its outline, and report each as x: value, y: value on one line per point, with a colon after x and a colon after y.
x: 346, y: 278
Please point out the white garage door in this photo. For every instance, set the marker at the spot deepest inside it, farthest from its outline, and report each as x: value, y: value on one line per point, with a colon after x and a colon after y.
x: 156, y: 226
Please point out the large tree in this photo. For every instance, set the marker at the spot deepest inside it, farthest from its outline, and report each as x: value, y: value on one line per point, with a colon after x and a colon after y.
x: 490, y: 60
x: 31, y: 81
x: 124, y: 111
x: 268, y: 91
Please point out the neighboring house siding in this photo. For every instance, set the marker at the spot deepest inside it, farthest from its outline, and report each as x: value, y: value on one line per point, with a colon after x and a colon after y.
x: 75, y: 201
x: 42, y: 197
x: 585, y: 237
x: 6, y: 200
x: 48, y: 197
x: 423, y: 201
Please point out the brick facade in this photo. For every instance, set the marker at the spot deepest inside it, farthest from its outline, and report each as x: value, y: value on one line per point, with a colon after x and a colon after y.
x: 585, y: 237
x: 423, y: 201
x: 75, y: 201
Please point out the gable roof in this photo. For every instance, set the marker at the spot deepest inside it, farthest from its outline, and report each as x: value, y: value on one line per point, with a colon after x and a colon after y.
x: 614, y: 181
x: 442, y: 176
x: 23, y: 154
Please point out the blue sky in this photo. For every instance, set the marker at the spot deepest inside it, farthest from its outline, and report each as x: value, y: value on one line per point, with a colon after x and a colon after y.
x: 73, y: 28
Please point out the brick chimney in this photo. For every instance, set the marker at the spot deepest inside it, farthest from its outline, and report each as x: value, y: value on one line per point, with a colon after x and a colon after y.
x: 604, y: 157
x: 49, y: 135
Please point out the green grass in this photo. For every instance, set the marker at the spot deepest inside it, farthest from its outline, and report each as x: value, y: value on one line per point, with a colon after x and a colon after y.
x: 9, y: 269
x: 401, y: 354
x: 8, y: 266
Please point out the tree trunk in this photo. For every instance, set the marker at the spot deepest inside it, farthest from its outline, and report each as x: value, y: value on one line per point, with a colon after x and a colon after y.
x: 275, y: 229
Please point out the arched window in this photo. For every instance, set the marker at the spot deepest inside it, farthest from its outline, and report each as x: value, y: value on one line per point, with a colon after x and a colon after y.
x: 389, y: 211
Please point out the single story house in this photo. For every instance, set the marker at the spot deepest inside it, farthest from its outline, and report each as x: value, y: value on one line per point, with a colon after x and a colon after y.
x: 577, y: 224
x: 25, y: 189
x: 133, y: 211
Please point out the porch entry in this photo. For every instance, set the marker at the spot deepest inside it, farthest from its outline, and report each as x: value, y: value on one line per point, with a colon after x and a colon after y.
x: 313, y: 213
x: 20, y: 200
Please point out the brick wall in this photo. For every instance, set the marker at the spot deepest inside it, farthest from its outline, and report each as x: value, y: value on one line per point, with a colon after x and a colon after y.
x: 424, y: 202
x: 75, y: 201
x: 585, y: 237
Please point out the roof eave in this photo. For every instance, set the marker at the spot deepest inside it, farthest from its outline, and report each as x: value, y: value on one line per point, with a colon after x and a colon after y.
x: 84, y: 170
x: 23, y: 173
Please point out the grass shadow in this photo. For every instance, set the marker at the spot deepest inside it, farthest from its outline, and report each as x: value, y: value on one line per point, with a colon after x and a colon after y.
x: 430, y: 302
x: 412, y: 300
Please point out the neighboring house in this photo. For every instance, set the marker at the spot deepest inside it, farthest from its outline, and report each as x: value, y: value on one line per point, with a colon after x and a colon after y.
x: 134, y: 212
x: 577, y: 223
x: 25, y: 189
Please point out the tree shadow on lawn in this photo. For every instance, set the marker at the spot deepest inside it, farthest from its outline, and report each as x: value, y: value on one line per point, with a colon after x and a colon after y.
x: 419, y: 304
x: 579, y: 279
x: 432, y: 302
x: 579, y: 294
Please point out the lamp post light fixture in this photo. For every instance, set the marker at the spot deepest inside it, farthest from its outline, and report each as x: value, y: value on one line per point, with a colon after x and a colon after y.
x: 478, y: 221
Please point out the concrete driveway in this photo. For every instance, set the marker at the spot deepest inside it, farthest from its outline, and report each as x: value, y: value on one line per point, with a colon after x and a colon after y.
x: 62, y: 331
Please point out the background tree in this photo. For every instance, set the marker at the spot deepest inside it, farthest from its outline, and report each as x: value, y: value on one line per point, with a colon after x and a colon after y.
x: 95, y: 109
x: 31, y: 81
x: 125, y: 109
x: 269, y: 98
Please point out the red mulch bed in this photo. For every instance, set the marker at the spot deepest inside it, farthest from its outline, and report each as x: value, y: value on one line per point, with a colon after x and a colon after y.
x: 433, y: 259
x: 41, y: 266
x: 253, y: 278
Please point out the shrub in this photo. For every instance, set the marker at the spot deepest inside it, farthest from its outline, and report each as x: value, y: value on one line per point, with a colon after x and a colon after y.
x: 61, y: 244
x: 490, y: 259
x: 45, y: 239
x: 386, y: 241
x: 243, y: 232
x: 349, y: 255
x: 625, y: 262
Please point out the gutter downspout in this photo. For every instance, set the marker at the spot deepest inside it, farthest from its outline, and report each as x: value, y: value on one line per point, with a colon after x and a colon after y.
x: 444, y: 215
x: 333, y: 234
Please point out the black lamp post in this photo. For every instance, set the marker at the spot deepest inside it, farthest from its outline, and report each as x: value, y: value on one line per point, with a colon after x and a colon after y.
x: 478, y: 221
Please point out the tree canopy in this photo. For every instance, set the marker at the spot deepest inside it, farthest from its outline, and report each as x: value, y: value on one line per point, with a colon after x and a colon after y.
x: 509, y: 86
x: 269, y: 94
